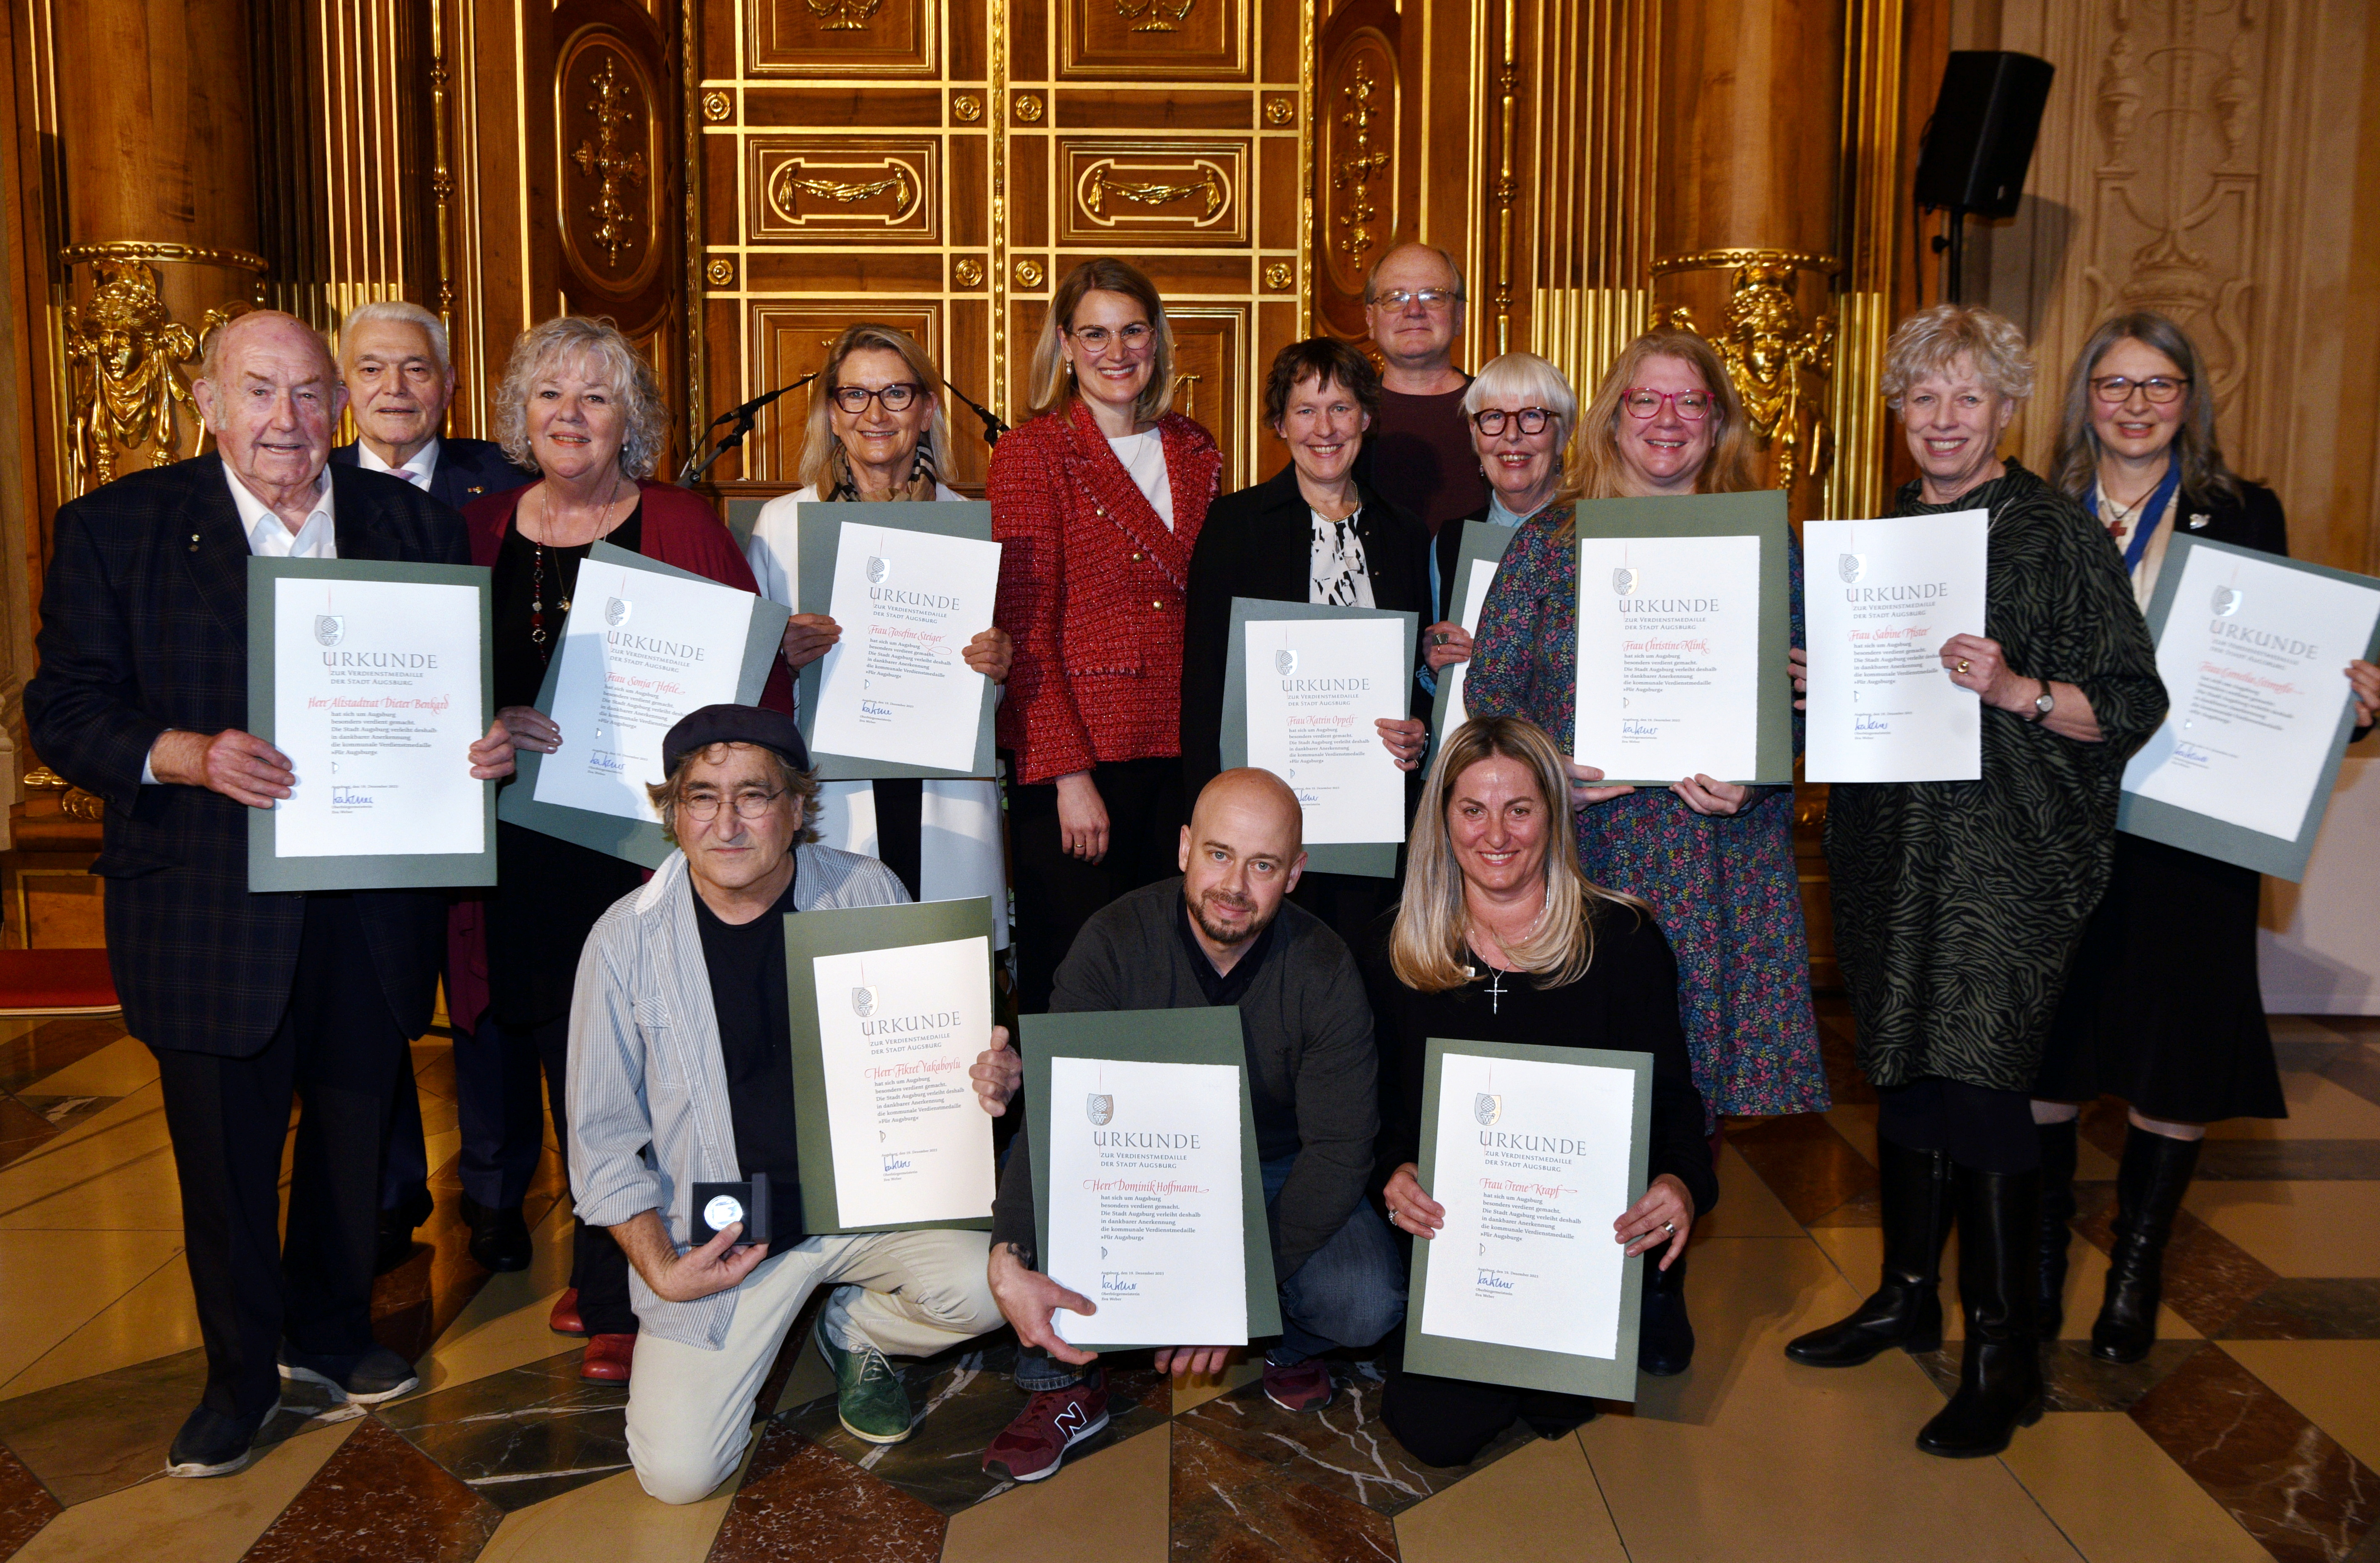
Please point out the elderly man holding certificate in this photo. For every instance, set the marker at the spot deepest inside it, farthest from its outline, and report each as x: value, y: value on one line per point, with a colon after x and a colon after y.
x: 683, y: 1109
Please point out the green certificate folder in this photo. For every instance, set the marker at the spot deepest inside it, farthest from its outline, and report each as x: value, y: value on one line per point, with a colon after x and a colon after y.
x: 809, y: 935
x: 1187, y: 1037
x: 1477, y: 556
x: 1376, y: 859
x: 1611, y: 1378
x: 367, y: 636
x: 1760, y: 515
x: 637, y: 840
x: 819, y: 531
x: 2283, y: 857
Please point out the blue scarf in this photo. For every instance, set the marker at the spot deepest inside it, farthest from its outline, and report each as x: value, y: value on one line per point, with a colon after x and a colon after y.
x: 2137, y: 550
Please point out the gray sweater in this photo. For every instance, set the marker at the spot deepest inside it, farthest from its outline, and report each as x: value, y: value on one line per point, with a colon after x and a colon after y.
x: 1308, y: 1028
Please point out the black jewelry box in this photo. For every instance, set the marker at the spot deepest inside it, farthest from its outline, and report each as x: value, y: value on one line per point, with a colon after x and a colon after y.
x: 721, y: 1204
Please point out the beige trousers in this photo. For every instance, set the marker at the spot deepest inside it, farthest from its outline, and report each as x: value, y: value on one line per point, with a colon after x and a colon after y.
x: 908, y: 1294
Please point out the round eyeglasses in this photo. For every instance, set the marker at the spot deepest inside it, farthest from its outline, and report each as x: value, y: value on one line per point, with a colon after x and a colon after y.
x: 2117, y: 389
x: 750, y: 804
x: 1137, y: 338
x: 854, y: 399
x: 1431, y: 298
x: 1643, y: 400
x: 1490, y: 421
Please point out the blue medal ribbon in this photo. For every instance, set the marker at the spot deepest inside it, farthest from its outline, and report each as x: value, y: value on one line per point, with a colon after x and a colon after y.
x: 2146, y: 516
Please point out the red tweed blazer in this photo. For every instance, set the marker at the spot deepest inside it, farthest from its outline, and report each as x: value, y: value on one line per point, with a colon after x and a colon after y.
x: 1092, y: 586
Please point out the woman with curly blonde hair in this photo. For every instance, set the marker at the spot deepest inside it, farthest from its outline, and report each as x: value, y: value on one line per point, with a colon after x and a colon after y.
x: 581, y: 408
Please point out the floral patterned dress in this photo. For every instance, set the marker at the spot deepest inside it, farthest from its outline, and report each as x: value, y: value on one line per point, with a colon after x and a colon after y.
x: 1724, y: 889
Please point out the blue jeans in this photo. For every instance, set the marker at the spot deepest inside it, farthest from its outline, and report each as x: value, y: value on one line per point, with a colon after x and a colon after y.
x: 1350, y: 1291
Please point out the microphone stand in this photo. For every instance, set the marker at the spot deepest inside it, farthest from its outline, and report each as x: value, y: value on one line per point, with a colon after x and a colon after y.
x: 992, y: 428
x: 744, y: 419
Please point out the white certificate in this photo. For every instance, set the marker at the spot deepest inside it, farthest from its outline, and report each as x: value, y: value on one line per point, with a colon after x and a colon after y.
x: 1483, y: 576
x: 2251, y: 658
x: 1145, y: 1202
x: 1532, y: 1167
x: 1314, y: 688
x: 640, y: 651
x: 376, y: 701
x: 1881, y: 599
x: 1668, y: 656
x: 898, y: 1029
x: 897, y: 686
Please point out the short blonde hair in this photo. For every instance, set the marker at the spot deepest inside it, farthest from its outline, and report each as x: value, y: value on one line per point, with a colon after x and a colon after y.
x: 617, y: 365
x: 1933, y: 341
x: 818, y: 443
x: 1047, y: 381
x: 1533, y: 382
x: 1728, y: 468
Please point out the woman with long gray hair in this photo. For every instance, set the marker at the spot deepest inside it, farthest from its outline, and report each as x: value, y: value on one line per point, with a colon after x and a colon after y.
x: 2162, y: 1007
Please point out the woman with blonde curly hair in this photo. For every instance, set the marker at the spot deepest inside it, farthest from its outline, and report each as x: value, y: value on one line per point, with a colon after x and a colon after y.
x: 1958, y: 904
x: 1714, y: 861
x: 581, y: 408
x: 1501, y: 938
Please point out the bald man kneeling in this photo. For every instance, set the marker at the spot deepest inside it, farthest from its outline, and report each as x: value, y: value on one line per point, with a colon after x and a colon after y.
x: 1225, y: 934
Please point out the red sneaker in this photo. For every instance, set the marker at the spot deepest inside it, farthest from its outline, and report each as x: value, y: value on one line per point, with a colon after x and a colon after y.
x: 1302, y: 1386
x: 1053, y: 1422
x: 564, y: 1319
x: 608, y: 1358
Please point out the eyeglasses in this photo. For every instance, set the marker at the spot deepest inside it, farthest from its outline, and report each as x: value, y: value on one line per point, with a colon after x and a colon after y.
x: 854, y: 399
x: 1643, y: 400
x: 1490, y: 420
x: 702, y: 807
x: 1428, y: 297
x: 2115, y: 389
x: 1137, y: 338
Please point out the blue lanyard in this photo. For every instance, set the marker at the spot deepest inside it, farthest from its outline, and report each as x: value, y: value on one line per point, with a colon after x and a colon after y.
x: 2147, y: 515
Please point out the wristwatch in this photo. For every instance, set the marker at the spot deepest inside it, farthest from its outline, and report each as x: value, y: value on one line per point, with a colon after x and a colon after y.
x: 2043, y: 703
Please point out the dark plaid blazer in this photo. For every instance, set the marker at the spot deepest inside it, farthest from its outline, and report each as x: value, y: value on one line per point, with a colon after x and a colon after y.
x: 144, y: 628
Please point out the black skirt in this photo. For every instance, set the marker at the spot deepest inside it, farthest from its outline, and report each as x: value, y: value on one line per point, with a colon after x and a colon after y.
x: 2162, y: 1008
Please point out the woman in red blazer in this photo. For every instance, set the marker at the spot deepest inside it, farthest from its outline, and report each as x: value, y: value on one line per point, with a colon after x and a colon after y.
x: 581, y: 407
x: 1096, y: 503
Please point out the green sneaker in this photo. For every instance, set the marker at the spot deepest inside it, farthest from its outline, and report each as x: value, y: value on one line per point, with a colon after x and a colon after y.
x: 868, y: 1395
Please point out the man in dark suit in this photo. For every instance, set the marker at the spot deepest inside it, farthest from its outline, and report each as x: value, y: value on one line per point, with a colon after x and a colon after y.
x: 392, y: 361
x: 245, y: 999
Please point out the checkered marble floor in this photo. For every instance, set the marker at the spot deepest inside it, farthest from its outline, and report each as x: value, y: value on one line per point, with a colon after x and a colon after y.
x: 2253, y: 1431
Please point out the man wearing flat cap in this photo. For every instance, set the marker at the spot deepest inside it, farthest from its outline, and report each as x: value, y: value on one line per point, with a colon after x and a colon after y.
x: 680, y: 1042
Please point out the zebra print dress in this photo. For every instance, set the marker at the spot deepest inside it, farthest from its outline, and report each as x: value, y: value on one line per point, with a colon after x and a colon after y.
x: 1958, y: 903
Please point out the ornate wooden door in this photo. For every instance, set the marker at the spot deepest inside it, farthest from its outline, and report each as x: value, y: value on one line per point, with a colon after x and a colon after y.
x: 939, y: 165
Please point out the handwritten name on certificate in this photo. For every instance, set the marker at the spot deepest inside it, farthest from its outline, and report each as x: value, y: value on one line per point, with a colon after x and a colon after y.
x: 898, y: 1030
x: 2250, y: 658
x: 897, y: 686
x: 1669, y: 655
x: 640, y: 651
x: 376, y: 701
x: 1532, y: 1167
x: 1883, y: 596
x: 1145, y: 1202
x: 1314, y: 688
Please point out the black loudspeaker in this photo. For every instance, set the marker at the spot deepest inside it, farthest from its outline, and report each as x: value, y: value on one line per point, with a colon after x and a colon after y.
x: 1981, y: 138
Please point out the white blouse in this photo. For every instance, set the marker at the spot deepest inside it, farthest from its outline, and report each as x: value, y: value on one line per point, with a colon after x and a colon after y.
x: 1144, y: 458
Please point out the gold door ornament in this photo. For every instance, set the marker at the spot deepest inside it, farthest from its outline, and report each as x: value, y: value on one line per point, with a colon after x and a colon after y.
x: 1161, y: 15
x: 1145, y: 192
x: 1363, y: 161
x: 121, y: 352
x: 614, y: 166
x: 844, y: 16
x: 1767, y: 348
x: 791, y: 180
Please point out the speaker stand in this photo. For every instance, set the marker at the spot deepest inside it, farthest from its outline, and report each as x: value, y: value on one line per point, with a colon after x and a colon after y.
x: 1951, y: 245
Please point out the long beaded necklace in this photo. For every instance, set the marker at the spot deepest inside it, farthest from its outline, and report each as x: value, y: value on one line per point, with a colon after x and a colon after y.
x: 536, y: 580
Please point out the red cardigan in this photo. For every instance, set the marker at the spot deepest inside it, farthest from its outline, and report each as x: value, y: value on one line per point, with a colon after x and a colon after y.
x: 1092, y: 586
x: 678, y: 528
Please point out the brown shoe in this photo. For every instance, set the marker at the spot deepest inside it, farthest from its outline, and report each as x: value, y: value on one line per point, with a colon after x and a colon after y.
x: 608, y: 1358
x: 564, y: 1319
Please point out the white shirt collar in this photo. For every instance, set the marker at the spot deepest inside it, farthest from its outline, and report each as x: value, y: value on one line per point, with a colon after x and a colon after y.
x: 269, y: 537
x: 416, y: 472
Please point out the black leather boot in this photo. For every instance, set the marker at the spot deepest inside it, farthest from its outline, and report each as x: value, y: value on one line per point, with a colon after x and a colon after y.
x: 1906, y: 1309
x: 2000, y: 1258
x: 2149, y: 1187
x: 2057, y: 1217
x: 1665, y: 1337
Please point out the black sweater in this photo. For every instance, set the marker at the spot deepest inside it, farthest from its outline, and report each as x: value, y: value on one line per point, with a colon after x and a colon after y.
x: 1626, y: 1003
x: 1309, y: 1036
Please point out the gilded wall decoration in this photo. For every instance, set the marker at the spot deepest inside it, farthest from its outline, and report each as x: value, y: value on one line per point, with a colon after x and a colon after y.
x: 844, y: 16
x: 1770, y: 348
x: 842, y: 38
x: 1161, y: 15
x: 1359, y: 92
x: 1166, y: 39
x: 1176, y: 194
x: 844, y: 188
x: 123, y: 350
x: 611, y: 160
x: 612, y: 177
x: 717, y: 107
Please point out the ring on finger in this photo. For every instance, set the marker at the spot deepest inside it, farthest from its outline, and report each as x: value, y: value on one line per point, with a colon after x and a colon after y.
x: 1962, y: 664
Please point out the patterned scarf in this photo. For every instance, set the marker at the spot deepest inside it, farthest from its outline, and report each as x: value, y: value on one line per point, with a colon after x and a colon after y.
x: 1340, y: 578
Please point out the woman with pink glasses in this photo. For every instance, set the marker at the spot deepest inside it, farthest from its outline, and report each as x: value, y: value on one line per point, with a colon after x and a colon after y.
x: 1714, y: 860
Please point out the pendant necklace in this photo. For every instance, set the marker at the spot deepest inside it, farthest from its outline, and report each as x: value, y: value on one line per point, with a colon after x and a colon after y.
x: 536, y: 580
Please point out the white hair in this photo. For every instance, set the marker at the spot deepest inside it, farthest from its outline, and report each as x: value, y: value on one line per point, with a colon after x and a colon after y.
x: 397, y: 312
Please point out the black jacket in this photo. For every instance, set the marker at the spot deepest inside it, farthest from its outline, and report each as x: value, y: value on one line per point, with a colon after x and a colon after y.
x: 1259, y: 542
x: 1308, y: 1035
x: 144, y: 626
x: 466, y: 470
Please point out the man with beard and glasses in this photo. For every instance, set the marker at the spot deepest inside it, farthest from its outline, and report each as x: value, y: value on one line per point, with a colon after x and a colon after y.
x: 1224, y: 934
